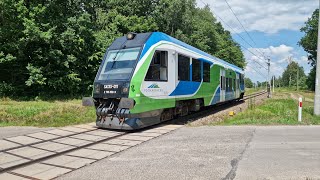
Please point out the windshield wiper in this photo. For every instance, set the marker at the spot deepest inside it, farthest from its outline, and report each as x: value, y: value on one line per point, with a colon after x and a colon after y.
x: 115, y: 56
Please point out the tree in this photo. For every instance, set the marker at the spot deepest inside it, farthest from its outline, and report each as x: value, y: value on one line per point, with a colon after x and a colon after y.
x: 309, y: 44
x: 311, y: 79
x: 55, y: 47
x: 290, y: 75
x: 248, y: 83
x: 309, y: 40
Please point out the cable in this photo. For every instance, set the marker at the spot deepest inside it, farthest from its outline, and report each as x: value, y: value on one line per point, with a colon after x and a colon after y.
x: 239, y: 36
x: 242, y: 25
x: 264, y: 76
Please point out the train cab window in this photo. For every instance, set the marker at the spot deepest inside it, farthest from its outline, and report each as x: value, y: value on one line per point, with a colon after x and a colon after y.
x: 183, y: 68
x: 158, y: 69
x: 206, y: 72
x: 196, y: 70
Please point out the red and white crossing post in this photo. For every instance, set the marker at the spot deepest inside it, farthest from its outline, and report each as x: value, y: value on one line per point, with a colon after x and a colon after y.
x: 300, y: 110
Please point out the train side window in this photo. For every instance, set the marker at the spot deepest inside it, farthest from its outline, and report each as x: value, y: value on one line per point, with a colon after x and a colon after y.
x: 183, y: 68
x: 158, y: 69
x: 196, y: 70
x: 227, y: 84
x: 206, y: 72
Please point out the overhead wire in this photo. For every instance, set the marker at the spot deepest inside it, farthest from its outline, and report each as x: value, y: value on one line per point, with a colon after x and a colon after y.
x: 240, y: 37
x: 243, y: 27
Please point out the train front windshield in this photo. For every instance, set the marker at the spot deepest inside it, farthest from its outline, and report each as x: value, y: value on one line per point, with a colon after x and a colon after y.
x: 119, y: 64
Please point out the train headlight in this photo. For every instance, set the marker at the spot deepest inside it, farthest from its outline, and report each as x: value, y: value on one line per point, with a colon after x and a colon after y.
x: 131, y: 35
x: 125, y: 88
x: 96, y: 89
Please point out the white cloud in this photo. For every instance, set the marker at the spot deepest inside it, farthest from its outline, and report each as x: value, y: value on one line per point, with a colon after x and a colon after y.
x: 264, y: 16
x: 278, y: 59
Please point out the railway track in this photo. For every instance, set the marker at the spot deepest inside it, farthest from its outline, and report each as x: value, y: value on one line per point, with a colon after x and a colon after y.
x: 49, y: 154
x: 254, y: 95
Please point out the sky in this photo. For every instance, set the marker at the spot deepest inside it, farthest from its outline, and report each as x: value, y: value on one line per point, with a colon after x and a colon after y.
x: 274, y: 31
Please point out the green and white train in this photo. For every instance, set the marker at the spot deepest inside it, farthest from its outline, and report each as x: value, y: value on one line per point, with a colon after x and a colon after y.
x: 148, y: 78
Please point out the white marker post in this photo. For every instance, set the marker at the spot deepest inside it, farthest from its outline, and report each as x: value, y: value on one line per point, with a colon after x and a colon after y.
x: 300, y: 110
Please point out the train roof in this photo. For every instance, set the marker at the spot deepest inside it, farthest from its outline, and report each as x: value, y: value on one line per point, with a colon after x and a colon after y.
x: 151, y: 38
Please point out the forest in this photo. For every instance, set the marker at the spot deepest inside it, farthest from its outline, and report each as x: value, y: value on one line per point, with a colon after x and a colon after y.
x: 53, y: 48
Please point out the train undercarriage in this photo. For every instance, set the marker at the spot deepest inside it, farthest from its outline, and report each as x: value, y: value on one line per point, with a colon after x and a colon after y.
x: 111, y: 114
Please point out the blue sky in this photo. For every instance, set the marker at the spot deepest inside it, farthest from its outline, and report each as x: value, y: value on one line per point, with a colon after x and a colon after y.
x: 274, y: 26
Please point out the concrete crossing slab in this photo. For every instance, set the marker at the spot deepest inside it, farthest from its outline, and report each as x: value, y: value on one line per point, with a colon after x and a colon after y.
x: 7, y: 160
x: 7, y: 176
x: 160, y: 131
x: 31, y: 153
x: 85, y: 126
x: 104, y: 133
x: 24, y: 140
x: 88, y: 137
x: 7, y: 144
x: 90, y: 153
x: 146, y: 134
x: 74, y: 129
x: 108, y: 147
x: 51, y: 146
x: 69, y: 161
x: 135, y: 138
x: 41, y: 171
x: 43, y: 136
x: 169, y: 127
x: 123, y: 142
x: 60, y: 132
x: 73, y: 141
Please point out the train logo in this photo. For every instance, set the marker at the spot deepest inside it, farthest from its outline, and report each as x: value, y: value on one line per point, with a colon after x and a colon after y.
x: 152, y: 86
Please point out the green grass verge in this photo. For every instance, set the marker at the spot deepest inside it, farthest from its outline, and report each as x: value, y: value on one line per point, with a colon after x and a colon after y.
x: 281, y: 110
x: 44, y: 113
x: 253, y: 90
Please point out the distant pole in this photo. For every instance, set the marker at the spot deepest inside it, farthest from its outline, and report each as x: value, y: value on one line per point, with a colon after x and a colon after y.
x: 290, y: 81
x: 273, y: 85
x: 298, y: 79
x: 317, y: 86
x: 268, y: 84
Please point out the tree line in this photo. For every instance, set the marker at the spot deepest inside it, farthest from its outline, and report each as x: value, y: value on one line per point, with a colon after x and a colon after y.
x: 54, y: 47
x: 292, y: 77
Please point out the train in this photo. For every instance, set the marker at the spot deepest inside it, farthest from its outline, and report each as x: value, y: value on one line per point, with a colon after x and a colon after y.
x: 147, y: 78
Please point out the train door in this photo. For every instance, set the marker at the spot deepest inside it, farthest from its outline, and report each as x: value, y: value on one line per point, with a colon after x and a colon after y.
x: 237, y: 86
x: 222, y: 84
x: 159, y: 80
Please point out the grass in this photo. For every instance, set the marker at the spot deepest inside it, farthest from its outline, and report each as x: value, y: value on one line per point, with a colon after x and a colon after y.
x: 253, y: 90
x: 280, y: 110
x: 44, y: 113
